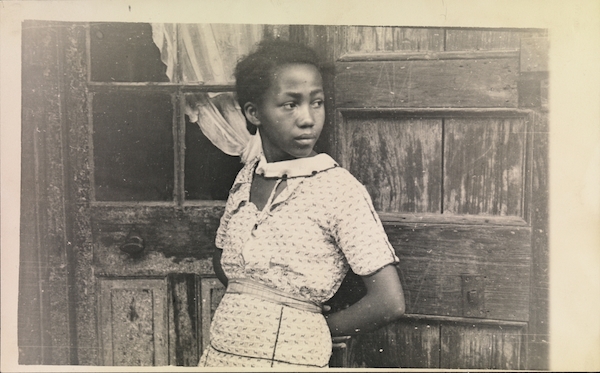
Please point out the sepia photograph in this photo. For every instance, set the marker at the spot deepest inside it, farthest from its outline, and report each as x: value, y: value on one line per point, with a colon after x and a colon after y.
x: 288, y: 194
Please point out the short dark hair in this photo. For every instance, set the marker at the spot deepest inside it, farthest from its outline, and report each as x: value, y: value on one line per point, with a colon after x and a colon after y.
x: 254, y: 72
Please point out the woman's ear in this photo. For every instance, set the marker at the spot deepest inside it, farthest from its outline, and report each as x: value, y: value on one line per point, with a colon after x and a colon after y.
x: 251, y: 111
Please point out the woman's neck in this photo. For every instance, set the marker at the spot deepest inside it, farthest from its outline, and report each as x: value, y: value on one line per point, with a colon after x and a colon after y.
x: 274, y: 158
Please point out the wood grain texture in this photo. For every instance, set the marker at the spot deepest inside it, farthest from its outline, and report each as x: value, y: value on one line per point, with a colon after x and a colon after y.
x: 133, y: 321
x: 83, y: 292
x: 404, y: 344
x: 434, y: 256
x: 184, y: 317
x: 538, y: 338
x: 398, y: 161
x: 467, y: 347
x: 44, y: 305
x: 465, y: 39
x: 437, y: 83
x: 484, y: 162
x: 391, y: 39
x: 176, y: 240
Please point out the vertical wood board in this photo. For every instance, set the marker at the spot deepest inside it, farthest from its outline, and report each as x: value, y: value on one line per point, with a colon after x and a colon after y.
x: 403, y: 344
x: 398, y: 161
x: 484, y: 162
x: 434, y: 83
x: 184, y: 325
x: 467, y: 346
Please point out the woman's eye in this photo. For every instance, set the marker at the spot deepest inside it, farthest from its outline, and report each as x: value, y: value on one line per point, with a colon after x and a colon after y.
x: 317, y: 103
x: 289, y: 105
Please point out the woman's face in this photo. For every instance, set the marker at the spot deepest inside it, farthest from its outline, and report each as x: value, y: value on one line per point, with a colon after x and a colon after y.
x: 291, y: 113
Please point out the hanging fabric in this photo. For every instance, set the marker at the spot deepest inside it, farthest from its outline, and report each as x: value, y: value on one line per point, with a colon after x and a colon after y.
x: 208, y: 55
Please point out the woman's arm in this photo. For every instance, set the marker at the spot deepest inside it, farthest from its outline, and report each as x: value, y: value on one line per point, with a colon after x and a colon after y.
x: 383, y: 304
x: 217, y: 266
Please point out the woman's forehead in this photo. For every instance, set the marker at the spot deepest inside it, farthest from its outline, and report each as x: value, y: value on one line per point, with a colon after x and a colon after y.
x: 297, y: 76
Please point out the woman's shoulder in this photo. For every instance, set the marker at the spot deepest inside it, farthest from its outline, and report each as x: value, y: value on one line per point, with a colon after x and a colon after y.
x: 338, y: 181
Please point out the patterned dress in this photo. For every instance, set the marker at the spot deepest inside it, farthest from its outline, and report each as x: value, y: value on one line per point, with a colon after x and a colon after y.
x: 302, y: 243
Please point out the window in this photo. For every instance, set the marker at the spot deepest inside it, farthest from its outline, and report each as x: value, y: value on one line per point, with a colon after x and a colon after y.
x: 145, y: 148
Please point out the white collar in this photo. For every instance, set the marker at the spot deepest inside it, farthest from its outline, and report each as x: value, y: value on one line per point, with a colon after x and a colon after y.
x: 299, y: 167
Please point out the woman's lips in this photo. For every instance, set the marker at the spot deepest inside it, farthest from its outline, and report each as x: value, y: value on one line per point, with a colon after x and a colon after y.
x: 305, y: 139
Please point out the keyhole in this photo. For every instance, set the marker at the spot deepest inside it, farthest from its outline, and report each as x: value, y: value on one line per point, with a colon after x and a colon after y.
x: 133, y: 315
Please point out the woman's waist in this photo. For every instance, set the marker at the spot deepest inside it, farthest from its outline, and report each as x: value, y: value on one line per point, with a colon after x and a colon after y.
x: 258, y: 290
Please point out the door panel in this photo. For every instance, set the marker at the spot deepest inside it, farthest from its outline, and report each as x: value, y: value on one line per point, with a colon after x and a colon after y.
x: 434, y: 256
x: 466, y: 82
x: 484, y: 166
x: 398, y: 161
x: 133, y: 321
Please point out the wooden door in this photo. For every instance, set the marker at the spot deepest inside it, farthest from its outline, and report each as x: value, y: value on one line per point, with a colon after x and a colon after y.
x: 445, y: 127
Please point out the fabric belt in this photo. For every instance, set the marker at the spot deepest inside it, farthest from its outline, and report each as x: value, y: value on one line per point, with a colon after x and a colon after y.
x: 251, y: 287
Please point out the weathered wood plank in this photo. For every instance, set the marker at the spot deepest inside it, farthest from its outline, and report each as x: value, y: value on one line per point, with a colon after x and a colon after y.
x: 434, y: 256
x: 428, y: 55
x: 537, y: 338
x: 83, y: 291
x: 184, y: 320
x: 398, y: 161
x: 484, y: 162
x: 404, y: 344
x: 534, y: 54
x: 418, y: 39
x: 175, y: 239
x: 465, y: 39
x: 390, y: 39
x: 438, y: 83
x: 390, y: 218
x: 466, y: 347
x: 44, y: 303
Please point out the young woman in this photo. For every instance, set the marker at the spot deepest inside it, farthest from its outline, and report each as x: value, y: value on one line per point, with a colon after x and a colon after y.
x: 294, y: 223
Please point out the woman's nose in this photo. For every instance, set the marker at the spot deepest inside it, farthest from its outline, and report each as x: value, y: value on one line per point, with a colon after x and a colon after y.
x: 306, y: 117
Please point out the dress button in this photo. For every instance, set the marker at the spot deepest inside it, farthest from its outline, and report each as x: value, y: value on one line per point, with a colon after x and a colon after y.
x: 255, y: 226
x: 284, y: 176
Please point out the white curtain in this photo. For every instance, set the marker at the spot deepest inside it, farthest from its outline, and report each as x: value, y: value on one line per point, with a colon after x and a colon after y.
x: 208, y: 55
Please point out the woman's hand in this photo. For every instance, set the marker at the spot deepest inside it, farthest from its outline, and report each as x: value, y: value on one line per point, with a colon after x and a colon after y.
x: 383, y: 304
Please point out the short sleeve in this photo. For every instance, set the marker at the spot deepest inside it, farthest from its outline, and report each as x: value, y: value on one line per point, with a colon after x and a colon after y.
x: 358, y: 230
x: 240, y: 185
x: 221, y: 239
